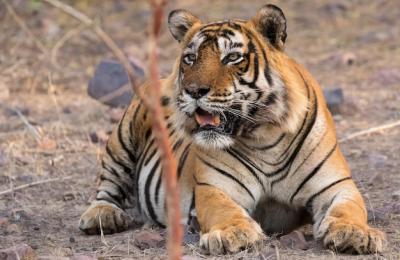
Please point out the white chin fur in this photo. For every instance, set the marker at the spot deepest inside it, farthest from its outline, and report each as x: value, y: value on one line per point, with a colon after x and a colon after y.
x: 209, y: 139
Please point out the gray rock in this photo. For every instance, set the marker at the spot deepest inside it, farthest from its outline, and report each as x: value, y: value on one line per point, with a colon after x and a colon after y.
x: 334, y: 99
x: 108, y: 77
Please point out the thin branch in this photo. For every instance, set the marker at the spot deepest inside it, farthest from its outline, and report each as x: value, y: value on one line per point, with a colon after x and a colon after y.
x: 169, y: 165
x: 370, y: 131
x: 28, y: 185
x: 66, y: 37
x: 24, y: 27
x: 24, y: 120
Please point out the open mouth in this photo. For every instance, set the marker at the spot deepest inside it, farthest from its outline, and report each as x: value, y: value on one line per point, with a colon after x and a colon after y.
x: 207, y: 120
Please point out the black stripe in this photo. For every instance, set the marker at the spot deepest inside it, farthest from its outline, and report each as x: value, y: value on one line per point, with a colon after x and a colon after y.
x: 191, y: 207
x: 150, y: 157
x: 313, y: 172
x: 114, y: 198
x: 248, y: 167
x: 124, y: 146
x: 314, y: 196
x: 182, y: 161
x: 324, y: 209
x: 126, y: 169
x: 137, y: 176
x: 134, y: 141
x: 266, y: 147
x: 122, y: 186
x: 229, y: 176
x: 149, y: 205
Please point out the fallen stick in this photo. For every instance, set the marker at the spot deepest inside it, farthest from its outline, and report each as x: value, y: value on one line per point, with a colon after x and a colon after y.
x: 24, y: 186
x: 369, y: 131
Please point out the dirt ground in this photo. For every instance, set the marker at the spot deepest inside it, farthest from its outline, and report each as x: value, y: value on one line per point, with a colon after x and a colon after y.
x: 353, y: 45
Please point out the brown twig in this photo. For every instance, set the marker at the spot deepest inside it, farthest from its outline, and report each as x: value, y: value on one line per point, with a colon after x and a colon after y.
x: 66, y: 37
x: 370, y: 131
x: 152, y: 103
x: 24, y: 186
x: 24, y: 27
x: 169, y: 165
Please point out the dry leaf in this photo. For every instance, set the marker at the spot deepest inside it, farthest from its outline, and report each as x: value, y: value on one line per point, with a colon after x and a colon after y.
x: 47, y: 144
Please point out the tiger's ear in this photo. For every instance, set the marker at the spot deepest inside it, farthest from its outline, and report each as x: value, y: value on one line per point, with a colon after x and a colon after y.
x: 179, y: 22
x: 271, y: 23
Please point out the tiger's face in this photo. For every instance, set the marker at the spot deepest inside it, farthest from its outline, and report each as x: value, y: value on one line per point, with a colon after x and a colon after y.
x: 225, y: 86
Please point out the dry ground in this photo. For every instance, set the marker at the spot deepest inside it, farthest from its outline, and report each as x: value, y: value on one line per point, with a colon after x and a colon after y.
x: 349, y: 44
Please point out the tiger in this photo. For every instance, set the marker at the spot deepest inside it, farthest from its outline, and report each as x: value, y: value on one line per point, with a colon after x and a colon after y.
x: 255, y: 144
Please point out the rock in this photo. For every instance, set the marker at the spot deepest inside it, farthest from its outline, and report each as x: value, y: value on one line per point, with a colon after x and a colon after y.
x: 294, y: 240
x: 396, y: 195
x: 99, y: 136
x: 13, y: 229
x: 72, y: 239
x: 334, y: 99
x: 21, y: 251
x: 83, y: 257
x: 108, y: 77
x: 68, y: 196
x: 145, y: 239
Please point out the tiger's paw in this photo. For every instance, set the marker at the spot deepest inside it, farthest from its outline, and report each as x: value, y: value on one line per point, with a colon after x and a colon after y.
x: 106, y: 216
x: 232, y: 238
x: 343, y: 236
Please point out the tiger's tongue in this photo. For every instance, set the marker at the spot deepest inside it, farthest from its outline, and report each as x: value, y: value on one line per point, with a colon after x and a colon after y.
x: 204, y: 118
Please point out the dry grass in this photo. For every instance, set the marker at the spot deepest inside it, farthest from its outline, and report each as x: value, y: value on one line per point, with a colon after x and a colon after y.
x: 52, y: 97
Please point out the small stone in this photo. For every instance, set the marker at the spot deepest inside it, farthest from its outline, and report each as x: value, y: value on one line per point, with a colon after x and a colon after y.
x: 294, y: 240
x: 145, y: 239
x: 72, y: 239
x: 67, y: 110
x: 109, y: 76
x: 13, y: 229
x: 68, y: 196
x: 396, y: 195
x: 83, y: 257
x: 99, y: 136
x: 47, y: 144
x: 36, y: 228
x: 21, y: 251
x: 334, y: 99
x: 3, y: 222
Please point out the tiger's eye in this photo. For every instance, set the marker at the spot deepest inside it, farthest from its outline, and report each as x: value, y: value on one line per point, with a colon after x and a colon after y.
x: 189, y: 58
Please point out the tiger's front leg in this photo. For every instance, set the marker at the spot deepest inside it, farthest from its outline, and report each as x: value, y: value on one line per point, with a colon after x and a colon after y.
x: 115, y: 207
x: 225, y: 226
x: 341, y: 220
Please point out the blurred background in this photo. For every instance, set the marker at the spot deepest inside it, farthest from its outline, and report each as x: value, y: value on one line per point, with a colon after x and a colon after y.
x: 53, y: 131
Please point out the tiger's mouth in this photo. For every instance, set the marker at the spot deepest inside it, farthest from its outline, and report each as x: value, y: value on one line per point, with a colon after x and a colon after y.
x: 219, y: 123
x: 205, y: 119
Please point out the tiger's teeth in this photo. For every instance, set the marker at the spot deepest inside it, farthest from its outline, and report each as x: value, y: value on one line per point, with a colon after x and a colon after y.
x: 204, y: 118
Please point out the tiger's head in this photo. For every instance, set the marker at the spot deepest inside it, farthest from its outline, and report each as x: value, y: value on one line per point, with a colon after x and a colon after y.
x: 230, y: 76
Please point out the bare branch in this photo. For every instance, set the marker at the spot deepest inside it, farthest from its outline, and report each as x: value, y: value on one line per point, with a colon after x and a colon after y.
x: 370, y: 131
x: 24, y: 186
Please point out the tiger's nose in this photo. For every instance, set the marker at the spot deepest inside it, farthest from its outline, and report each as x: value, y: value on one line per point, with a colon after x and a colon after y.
x: 196, y: 91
